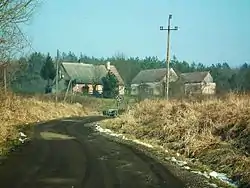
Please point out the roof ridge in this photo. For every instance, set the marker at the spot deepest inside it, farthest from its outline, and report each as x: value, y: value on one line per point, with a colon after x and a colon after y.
x: 155, y: 69
x: 195, y: 72
x: 151, y: 75
x: 75, y: 63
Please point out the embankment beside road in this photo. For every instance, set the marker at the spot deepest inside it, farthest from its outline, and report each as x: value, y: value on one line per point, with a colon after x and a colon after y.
x: 217, y: 131
x: 18, y: 112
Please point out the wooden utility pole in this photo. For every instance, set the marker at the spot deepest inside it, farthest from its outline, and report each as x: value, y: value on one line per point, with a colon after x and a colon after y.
x: 57, y: 69
x: 166, y: 93
x: 4, y: 69
x: 67, y: 91
x: 5, y: 78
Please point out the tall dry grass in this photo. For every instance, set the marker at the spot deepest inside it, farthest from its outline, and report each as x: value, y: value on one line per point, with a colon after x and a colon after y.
x: 17, y: 111
x: 216, y: 131
x: 88, y: 102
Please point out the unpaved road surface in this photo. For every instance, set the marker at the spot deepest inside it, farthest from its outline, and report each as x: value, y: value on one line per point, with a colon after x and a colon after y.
x: 67, y: 154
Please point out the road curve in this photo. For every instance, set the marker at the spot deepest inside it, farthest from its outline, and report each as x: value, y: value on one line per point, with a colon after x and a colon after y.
x: 68, y: 154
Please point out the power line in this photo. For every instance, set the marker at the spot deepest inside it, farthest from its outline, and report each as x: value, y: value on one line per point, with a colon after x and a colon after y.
x: 26, y: 40
x: 166, y: 90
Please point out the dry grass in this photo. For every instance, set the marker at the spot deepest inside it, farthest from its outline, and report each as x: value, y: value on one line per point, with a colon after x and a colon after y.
x: 18, y: 111
x: 216, y: 131
x: 92, y: 103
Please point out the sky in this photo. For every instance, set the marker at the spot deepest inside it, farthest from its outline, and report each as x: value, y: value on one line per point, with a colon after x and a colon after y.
x: 210, y: 31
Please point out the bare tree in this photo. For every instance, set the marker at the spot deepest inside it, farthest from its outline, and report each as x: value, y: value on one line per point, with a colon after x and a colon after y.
x: 14, y: 13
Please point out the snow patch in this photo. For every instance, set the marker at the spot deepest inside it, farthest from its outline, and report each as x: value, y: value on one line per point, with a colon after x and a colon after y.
x: 71, y: 120
x: 213, y: 174
x: 111, y: 133
x: 22, y: 134
x: 23, y: 137
x: 187, y: 167
x: 183, y: 164
x: 213, y: 185
x: 223, y: 177
x: 142, y: 143
x: 22, y: 140
x: 201, y: 173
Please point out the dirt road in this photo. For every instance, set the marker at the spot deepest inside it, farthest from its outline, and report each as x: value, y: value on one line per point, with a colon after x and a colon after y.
x: 66, y: 153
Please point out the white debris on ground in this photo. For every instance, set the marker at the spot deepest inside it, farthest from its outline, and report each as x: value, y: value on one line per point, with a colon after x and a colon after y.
x: 201, y: 173
x: 213, y: 174
x: 111, y: 133
x: 22, y: 134
x: 180, y: 163
x: 183, y: 164
x: 23, y: 137
x: 213, y: 185
x: 142, y: 143
x: 223, y: 177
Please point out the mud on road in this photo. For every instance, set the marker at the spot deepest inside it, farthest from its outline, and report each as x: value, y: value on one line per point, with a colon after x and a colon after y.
x: 67, y: 154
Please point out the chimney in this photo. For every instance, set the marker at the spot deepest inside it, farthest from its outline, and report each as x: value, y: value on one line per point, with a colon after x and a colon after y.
x: 108, y: 66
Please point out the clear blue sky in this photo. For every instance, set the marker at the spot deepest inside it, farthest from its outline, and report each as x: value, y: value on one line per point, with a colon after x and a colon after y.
x: 210, y: 31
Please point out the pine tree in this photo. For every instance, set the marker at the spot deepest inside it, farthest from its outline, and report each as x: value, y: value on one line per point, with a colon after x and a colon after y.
x: 110, y: 86
x: 48, y: 71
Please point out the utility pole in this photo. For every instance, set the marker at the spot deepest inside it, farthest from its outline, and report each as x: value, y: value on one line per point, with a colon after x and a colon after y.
x: 3, y: 41
x: 5, y: 77
x: 166, y: 93
x: 57, y: 69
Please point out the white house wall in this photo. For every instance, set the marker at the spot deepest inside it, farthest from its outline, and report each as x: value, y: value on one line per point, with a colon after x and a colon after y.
x: 134, y: 89
x: 200, y: 88
x: 208, y: 78
x: 155, y: 87
x: 209, y: 88
x: 121, y: 90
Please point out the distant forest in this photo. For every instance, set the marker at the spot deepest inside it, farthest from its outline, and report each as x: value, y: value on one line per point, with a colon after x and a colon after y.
x: 24, y: 73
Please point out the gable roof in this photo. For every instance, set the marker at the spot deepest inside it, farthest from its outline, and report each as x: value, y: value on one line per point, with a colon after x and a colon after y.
x: 117, y: 75
x: 84, y: 73
x: 151, y: 75
x: 88, y: 73
x: 194, y: 77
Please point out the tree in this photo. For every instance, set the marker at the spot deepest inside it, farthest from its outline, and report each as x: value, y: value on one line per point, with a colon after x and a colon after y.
x: 244, y: 76
x: 70, y: 57
x: 48, y: 71
x: 179, y: 67
x: 12, y: 15
x: 27, y: 78
x: 35, y: 63
x: 110, y: 85
x: 16, y: 70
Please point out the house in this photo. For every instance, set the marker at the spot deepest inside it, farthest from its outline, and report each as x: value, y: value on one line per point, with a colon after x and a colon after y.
x: 151, y: 82
x: 82, y: 77
x: 198, y: 83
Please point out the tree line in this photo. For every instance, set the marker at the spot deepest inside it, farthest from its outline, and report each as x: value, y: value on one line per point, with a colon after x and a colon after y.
x: 34, y: 72
x: 227, y: 78
x: 26, y: 75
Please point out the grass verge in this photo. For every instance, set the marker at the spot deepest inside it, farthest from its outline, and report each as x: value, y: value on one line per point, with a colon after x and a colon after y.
x: 19, y: 111
x: 217, y: 131
x: 88, y: 102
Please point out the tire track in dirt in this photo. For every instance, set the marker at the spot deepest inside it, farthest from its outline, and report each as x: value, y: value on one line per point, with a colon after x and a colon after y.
x: 75, y: 155
x: 163, y: 177
x: 99, y: 174
x: 53, y: 165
